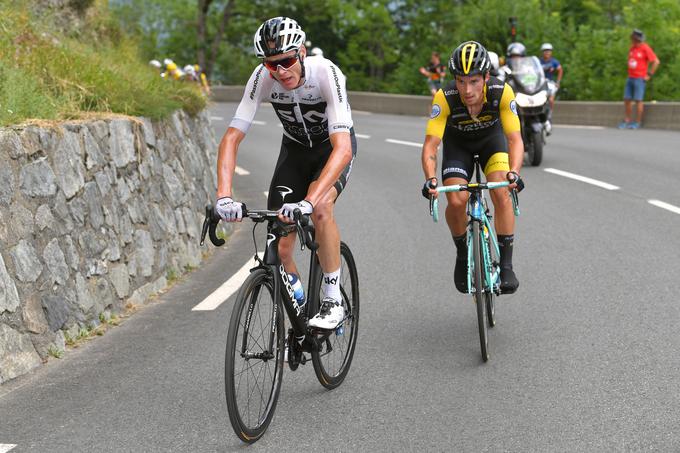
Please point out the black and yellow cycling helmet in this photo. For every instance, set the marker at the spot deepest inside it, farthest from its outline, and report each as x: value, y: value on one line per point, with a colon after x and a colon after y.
x: 469, y: 58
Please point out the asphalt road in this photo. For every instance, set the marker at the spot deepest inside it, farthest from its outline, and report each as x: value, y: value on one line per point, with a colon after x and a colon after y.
x: 585, y: 357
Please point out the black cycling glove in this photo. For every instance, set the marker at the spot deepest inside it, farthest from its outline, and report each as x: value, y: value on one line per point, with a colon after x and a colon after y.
x: 514, y: 177
x: 429, y: 184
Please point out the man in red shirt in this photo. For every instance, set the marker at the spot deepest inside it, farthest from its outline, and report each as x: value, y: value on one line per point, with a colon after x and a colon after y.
x: 639, y: 56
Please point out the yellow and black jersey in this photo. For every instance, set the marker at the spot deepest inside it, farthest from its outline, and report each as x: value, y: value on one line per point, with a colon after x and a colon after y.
x: 450, y: 119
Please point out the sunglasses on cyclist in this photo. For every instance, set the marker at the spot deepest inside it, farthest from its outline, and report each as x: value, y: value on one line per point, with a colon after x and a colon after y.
x: 285, y: 63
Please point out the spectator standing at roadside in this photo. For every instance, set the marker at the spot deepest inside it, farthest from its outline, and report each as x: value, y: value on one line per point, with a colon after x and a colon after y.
x: 639, y: 57
x: 434, y: 72
x: 552, y: 70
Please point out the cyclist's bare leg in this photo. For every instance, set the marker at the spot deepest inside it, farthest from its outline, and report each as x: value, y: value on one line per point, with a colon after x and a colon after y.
x: 505, y: 217
x: 286, y: 252
x: 327, y: 233
x: 456, y: 216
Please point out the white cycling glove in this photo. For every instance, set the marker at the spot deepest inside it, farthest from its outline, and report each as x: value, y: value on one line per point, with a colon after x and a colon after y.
x: 288, y: 209
x: 229, y: 210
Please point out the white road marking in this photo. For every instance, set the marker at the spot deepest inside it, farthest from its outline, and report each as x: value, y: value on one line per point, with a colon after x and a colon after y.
x: 578, y: 126
x: 266, y: 193
x: 260, y: 123
x: 241, y: 171
x: 280, y: 125
x: 212, y: 118
x: 361, y: 112
x: 594, y: 182
x: 4, y: 448
x: 362, y: 136
x: 402, y: 142
x: 228, y: 288
x: 664, y: 205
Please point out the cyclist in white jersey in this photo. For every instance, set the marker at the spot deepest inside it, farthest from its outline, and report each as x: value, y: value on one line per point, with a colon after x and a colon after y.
x: 317, y: 149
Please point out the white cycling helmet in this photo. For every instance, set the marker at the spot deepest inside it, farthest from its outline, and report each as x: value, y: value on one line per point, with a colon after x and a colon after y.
x: 546, y: 46
x: 156, y: 64
x: 167, y: 61
x: 278, y: 35
x: 189, y: 69
x: 317, y: 52
x: 495, y: 62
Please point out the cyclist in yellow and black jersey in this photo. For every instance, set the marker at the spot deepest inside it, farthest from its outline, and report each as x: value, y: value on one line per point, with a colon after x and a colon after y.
x: 475, y: 114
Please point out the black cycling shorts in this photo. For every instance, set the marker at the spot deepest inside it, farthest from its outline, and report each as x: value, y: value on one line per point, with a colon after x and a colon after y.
x: 298, y: 166
x: 458, y: 156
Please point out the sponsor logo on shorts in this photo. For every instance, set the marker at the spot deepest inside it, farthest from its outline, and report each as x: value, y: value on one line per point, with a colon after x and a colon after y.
x: 459, y: 170
x: 283, y: 191
x: 436, y: 110
x: 513, y: 106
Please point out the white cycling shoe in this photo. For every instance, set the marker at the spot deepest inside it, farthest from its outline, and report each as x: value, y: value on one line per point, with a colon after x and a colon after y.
x: 331, y: 314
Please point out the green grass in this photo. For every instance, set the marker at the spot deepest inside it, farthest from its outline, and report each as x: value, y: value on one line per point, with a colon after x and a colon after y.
x: 53, y: 76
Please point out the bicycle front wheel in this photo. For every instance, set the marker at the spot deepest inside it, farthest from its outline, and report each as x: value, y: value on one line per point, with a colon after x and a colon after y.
x: 478, y: 294
x: 254, y: 357
x: 334, y: 356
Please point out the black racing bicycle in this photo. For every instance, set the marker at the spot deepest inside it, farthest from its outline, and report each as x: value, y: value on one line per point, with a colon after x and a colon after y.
x: 256, y: 341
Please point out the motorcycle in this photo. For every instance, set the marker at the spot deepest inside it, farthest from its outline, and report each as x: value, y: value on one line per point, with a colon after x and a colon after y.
x: 531, y: 95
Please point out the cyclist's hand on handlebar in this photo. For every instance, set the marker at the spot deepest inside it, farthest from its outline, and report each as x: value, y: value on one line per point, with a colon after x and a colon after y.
x: 229, y: 210
x: 516, y: 181
x: 286, y: 213
x: 429, y: 188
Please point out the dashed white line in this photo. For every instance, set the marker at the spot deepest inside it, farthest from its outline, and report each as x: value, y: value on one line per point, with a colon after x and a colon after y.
x: 361, y: 112
x: 362, y: 136
x: 403, y: 142
x: 279, y: 125
x: 225, y: 291
x: 212, y: 118
x: 578, y: 126
x: 4, y: 448
x: 241, y: 171
x: 260, y: 123
x: 594, y: 182
x: 266, y: 193
x: 664, y: 205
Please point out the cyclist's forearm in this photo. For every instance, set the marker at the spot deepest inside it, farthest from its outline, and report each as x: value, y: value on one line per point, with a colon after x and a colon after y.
x: 340, y: 157
x: 515, y: 151
x: 226, y: 161
x: 429, y: 156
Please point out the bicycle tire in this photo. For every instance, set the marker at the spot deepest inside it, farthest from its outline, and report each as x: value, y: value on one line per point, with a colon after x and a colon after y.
x: 323, y: 359
x: 478, y: 294
x: 240, y: 336
x: 489, y: 294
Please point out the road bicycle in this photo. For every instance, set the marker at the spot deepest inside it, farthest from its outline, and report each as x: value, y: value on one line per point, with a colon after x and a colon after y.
x: 256, y: 341
x: 483, y: 278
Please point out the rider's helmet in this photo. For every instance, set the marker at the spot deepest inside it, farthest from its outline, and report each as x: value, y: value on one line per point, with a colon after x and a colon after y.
x: 278, y: 35
x: 516, y: 49
x: 167, y: 61
x: 172, y: 66
x: 469, y: 58
x: 546, y: 46
x: 317, y: 52
x: 189, y: 69
x: 156, y: 64
x: 493, y: 59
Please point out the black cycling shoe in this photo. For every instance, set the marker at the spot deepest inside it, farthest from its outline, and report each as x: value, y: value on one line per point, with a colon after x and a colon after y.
x: 509, y: 282
x: 460, y: 275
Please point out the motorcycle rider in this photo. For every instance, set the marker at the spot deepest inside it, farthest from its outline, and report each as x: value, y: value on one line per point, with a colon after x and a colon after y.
x: 514, y: 50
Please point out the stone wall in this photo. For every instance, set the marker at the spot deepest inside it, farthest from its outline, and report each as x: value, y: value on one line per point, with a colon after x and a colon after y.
x: 94, y: 215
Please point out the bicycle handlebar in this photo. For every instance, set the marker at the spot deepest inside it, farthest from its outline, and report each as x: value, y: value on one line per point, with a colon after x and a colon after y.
x: 472, y: 187
x: 303, y: 227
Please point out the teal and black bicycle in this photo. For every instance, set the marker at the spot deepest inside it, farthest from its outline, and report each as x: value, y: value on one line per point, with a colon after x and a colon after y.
x: 483, y: 279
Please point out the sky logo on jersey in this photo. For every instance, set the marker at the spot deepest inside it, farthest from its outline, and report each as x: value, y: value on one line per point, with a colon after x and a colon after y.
x: 513, y: 106
x: 436, y: 110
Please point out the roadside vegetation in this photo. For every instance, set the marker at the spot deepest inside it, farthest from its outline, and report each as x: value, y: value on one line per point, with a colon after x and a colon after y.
x: 50, y: 74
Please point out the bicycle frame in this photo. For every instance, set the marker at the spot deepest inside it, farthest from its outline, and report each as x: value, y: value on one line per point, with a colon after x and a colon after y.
x: 478, y: 212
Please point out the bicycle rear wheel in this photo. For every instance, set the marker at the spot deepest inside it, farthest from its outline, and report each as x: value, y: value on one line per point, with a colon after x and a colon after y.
x: 254, y: 357
x: 478, y: 294
x: 333, y: 358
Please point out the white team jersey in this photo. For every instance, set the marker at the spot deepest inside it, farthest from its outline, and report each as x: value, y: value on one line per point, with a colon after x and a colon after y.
x: 309, y: 113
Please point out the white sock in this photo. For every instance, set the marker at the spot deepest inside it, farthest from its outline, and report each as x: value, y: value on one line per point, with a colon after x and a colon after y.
x: 330, y: 285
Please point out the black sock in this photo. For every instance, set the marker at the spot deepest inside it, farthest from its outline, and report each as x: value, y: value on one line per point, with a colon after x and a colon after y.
x: 461, y: 246
x: 505, y: 243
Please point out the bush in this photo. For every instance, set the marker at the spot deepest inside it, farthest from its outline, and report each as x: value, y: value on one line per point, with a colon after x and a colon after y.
x: 48, y: 75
